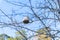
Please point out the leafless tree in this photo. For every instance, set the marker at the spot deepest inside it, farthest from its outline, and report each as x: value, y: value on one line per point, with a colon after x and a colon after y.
x: 44, y: 13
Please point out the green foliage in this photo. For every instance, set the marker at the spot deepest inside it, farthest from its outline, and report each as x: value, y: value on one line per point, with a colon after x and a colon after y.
x: 12, y: 38
x: 3, y: 36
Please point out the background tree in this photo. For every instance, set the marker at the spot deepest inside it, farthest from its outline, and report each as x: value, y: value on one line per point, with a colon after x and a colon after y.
x: 44, y: 34
x: 19, y: 36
